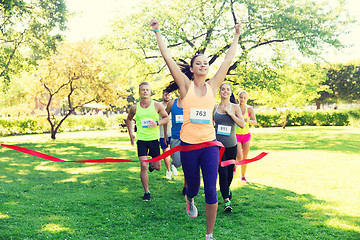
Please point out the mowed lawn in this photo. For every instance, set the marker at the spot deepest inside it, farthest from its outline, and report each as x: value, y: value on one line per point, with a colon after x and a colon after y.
x: 307, y: 187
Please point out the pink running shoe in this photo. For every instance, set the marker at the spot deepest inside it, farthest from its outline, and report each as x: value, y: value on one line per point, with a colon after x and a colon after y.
x: 243, y: 179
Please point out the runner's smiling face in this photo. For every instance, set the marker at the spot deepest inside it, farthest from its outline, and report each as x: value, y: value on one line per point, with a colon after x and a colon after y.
x: 200, y: 66
x: 243, y: 97
x: 144, y: 91
x: 225, y: 91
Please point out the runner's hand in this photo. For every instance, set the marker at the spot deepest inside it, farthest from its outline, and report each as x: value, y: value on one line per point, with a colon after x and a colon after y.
x: 152, y: 124
x: 154, y: 24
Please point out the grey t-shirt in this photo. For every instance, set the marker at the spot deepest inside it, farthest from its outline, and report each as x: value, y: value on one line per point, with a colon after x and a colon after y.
x: 225, y: 128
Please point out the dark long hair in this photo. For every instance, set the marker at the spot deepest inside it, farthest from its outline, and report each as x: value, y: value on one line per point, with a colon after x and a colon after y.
x: 232, y: 98
x: 171, y: 87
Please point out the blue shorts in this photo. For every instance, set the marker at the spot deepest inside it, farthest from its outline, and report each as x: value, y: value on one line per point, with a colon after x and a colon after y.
x: 206, y: 159
x: 163, y: 144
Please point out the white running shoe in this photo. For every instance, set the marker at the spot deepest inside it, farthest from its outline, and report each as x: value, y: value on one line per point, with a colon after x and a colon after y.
x: 191, y: 208
x: 174, y: 170
x: 168, y: 175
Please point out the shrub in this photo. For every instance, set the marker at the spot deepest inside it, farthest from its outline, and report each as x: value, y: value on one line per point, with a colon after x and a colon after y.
x: 354, y: 117
x: 15, y: 126
x: 305, y: 118
x: 269, y: 119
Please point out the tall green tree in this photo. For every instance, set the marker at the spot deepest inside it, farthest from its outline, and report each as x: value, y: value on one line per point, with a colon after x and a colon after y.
x: 29, y: 30
x: 18, y: 99
x: 344, y: 82
x: 205, y: 27
x: 76, y: 74
x: 297, y: 87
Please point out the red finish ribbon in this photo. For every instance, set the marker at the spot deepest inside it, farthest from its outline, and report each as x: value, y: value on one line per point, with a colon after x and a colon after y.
x: 244, y: 161
x: 162, y: 156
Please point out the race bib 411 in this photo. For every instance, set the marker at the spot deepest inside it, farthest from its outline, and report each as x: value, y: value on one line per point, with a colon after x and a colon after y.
x: 145, y: 123
x: 224, y: 130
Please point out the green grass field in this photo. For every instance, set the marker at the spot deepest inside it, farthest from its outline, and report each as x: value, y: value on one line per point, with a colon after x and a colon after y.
x: 306, y: 188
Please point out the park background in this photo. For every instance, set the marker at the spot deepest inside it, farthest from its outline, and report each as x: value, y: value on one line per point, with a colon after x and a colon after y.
x: 62, y: 61
x: 72, y: 55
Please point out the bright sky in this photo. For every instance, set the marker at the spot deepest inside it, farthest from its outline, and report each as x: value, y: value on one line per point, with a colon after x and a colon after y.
x: 94, y: 17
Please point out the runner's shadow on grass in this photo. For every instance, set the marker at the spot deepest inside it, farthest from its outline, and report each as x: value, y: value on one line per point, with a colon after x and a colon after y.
x: 264, y: 212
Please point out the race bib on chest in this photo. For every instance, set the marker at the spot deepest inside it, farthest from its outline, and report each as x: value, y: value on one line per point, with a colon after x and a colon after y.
x: 198, y: 115
x: 179, y: 118
x: 145, y: 123
x: 224, y: 130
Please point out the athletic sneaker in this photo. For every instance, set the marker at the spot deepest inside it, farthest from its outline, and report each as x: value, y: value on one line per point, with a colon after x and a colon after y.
x: 210, y: 238
x: 168, y: 175
x: 191, y: 208
x: 174, y: 170
x: 228, y: 207
x: 243, y: 179
x: 146, y: 196
x: 151, y: 168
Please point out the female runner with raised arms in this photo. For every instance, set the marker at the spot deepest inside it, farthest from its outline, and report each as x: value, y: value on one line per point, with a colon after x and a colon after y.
x: 198, y: 100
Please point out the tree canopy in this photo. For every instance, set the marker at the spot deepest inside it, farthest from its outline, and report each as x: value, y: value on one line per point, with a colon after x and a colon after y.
x: 76, y: 75
x: 207, y: 27
x: 343, y: 81
x: 297, y: 86
x: 29, y: 30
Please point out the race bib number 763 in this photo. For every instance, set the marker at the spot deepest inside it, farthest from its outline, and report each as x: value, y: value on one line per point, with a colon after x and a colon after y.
x: 199, y: 115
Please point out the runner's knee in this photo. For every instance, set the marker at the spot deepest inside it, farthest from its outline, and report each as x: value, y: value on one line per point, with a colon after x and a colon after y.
x: 157, y: 165
x: 211, y: 196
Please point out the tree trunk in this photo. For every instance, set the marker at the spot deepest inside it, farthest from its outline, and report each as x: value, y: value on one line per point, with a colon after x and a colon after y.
x: 285, y: 120
x: 318, y: 104
x: 53, y: 132
x: 54, y: 128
